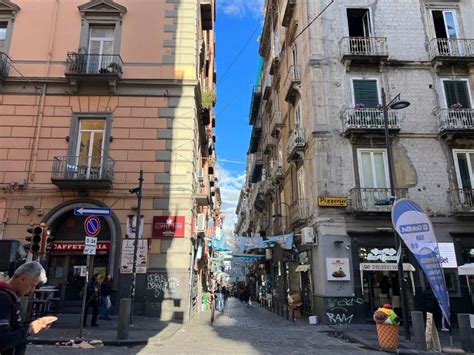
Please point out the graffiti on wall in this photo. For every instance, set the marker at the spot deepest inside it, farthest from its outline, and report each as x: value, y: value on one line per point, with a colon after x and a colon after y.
x: 160, y: 284
x: 341, y: 310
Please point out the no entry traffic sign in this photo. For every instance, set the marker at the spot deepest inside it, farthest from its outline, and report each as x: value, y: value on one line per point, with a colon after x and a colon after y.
x: 92, y: 226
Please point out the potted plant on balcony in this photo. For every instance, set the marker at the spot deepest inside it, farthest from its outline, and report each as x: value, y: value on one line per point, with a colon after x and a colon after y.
x: 115, y: 68
x: 208, y: 99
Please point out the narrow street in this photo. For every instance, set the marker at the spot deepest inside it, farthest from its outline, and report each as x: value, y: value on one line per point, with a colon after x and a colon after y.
x: 240, y: 330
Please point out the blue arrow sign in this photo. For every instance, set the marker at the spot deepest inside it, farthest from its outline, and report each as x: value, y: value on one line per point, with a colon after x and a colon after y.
x: 91, y: 211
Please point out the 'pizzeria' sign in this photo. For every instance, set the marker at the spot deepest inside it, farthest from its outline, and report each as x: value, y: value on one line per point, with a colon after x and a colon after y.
x: 168, y: 227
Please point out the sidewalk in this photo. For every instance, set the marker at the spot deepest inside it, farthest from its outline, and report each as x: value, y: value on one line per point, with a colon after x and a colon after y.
x: 366, y: 335
x: 144, y: 330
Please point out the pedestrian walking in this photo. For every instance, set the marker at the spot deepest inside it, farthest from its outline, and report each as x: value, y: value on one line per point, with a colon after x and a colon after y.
x: 92, y: 300
x: 220, y: 298
x: 105, y: 293
x: 246, y: 295
x: 13, y: 331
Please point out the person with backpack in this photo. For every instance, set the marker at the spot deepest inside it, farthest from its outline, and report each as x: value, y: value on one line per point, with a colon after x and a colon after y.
x: 105, y: 293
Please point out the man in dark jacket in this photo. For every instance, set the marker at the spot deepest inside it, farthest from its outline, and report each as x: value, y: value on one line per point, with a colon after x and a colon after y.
x: 13, y: 331
x: 92, y: 299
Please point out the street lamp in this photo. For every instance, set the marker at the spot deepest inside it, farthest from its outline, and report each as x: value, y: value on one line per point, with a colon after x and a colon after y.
x: 395, y: 104
x: 138, y: 192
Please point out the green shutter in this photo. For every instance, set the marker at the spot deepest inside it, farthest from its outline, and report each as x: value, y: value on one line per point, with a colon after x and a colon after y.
x: 365, y: 92
x: 457, y: 92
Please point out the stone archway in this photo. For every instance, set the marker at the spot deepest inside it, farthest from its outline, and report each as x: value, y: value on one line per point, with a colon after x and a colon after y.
x: 112, y: 221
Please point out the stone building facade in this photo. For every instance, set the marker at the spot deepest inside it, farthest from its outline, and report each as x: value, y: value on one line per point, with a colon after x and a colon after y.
x: 92, y: 93
x: 318, y: 154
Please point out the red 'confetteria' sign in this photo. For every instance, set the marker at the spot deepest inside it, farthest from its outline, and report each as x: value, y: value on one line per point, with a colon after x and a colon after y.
x: 168, y: 227
x: 61, y: 246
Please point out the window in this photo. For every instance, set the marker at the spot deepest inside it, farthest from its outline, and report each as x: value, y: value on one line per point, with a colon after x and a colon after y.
x: 88, y: 146
x: 3, y: 35
x: 366, y: 92
x: 298, y: 115
x: 445, y: 24
x: 7, y: 17
x: 301, y: 185
x: 101, y: 48
x: 464, y: 164
x: 373, y: 168
x: 457, y: 92
x: 294, y: 55
x: 359, y: 23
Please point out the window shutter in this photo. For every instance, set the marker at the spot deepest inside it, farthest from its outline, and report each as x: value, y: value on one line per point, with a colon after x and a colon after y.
x: 456, y: 92
x: 365, y: 92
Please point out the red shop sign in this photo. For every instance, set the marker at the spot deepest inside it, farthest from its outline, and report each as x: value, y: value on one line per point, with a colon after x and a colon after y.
x: 79, y: 247
x: 168, y: 227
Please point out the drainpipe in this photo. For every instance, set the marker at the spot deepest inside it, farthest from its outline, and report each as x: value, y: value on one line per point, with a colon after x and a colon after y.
x: 39, y: 121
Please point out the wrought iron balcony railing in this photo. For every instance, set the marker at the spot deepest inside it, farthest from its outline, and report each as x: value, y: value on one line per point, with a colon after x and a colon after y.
x: 353, y: 47
x: 296, y: 143
x: 462, y: 200
x: 292, y: 81
x: 83, y: 171
x: 299, y: 211
x: 93, y: 65
x: 451, y: 49
x: 369, y: 119
x: 366, y: 200
x: 456, y: 119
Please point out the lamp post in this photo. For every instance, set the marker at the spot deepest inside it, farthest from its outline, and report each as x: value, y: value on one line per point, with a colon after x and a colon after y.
x: 395, y: 104
x: 138, y: 192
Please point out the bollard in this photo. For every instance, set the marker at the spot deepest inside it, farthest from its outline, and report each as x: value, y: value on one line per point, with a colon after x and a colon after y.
x: 124, y: 318
x: 465, y: 332
x: 419, y: 330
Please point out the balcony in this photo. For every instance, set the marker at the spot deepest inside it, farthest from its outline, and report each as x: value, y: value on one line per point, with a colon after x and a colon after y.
x: 452, y: 50
x: 258, y: 201
x: 276, y: 124
x: 79, y: 172
x: 277, y: 173
x: 94, y: 68
x: 456, y: 122
x: 202, y: 196
x: 270, y: 143
x: 364, y: 49
x: 206, y: 15
x: 289, y: 9
x: 256, y: 167
x: 292, y: 83
x: 363, y: 200
x: 4, y: 65
x: 299, y: 212
x: 296, y: 144
x: 268, y: 187
x: 462, y: 201
x: 255, y: 104
x: 369, y: 120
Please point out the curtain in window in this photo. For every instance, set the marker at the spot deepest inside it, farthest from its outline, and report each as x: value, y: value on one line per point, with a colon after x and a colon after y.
x: 465, y: 174
x: 457, y: 92
x: 366, y: 93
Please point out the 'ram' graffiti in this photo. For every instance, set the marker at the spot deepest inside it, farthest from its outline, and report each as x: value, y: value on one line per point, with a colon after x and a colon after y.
x: 341, y: 310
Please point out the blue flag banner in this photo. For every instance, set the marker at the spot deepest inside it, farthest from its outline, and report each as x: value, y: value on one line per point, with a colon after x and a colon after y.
x: 285, y: 240
x: 415, y: 228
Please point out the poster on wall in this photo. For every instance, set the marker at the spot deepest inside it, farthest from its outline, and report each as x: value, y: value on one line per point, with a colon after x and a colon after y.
x: 132, y: 225
x: 126, y: 262
x: 338, y: 269
x: 447, y: 255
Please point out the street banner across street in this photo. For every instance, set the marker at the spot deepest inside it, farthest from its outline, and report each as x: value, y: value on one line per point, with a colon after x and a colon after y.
x: 415, y: 228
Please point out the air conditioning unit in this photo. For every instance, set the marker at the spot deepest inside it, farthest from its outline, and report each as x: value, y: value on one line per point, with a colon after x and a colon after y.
x: 307, y: 236
x: 201, y: 223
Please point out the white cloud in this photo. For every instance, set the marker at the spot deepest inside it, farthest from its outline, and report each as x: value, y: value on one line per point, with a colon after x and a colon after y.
x: 230, y: 185
x: 241, y: 8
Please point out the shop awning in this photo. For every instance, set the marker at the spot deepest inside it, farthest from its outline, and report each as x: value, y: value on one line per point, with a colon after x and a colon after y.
x: 386, y: 267
x: 302, y: 268
x: 466, y: 269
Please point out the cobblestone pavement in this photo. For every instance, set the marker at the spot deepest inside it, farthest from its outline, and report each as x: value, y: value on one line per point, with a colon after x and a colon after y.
x: 240, y: 330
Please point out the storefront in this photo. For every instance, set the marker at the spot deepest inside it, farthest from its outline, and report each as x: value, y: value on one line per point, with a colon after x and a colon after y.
x: 65, y: 262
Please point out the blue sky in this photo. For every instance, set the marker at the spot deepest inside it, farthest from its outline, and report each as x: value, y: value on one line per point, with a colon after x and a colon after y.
x: 236, y: 21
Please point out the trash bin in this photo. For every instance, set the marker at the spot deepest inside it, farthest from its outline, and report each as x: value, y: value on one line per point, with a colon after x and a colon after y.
x: 388, y: 335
